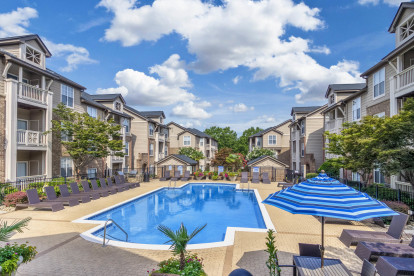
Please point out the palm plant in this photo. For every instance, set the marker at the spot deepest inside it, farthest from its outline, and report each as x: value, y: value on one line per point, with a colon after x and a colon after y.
x: 179, y: 239
x: 6, y: 230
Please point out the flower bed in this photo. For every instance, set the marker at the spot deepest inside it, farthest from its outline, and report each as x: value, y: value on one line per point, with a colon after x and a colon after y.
x: 193, y: 266
x: 15, y: 198
x: 12, y: 254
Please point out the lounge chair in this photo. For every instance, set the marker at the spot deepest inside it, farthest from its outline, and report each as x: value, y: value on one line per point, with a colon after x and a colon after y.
x: 265, y: 178
x: 310, y: 250
x: 166, y: 177
x: 35, y: 202
x: 103, y: 187
x: 373, y: 250
x: 393, y: 266
x: 119, y: 183
x: 255, y: 178
x: 131, y: 184
x: 51, y: 197
x: 64, y: 192
x: 186, y: 176
x: 393, y: 235
x: 176, y: 177
x: 120, y: 188
x: 244, y: 177
x: 112, y: 188
x: 368, y: 269
x: 87, y: 188
x: 75, y: 191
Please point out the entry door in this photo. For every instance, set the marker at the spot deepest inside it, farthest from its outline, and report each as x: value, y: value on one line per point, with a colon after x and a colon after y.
x: 21, y: 169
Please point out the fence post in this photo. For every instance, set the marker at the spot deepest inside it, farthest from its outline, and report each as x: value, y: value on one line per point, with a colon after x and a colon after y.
x: 376, y: 191
x: 359, y: 185
x: 399, y: 195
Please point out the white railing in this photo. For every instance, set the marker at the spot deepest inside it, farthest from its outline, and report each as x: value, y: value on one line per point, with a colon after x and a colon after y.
x: 31, y: 138
x: 334, y: 124
x: 160, y: 156
x: 405, y: 77
x: 32, y: 93
x: 403, y: 186
x: 117, y: 158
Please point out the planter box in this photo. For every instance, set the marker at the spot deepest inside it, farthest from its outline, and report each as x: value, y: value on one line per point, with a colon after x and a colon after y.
x: 163, y: 274
x: 199, y: 177
x: 233, y: 178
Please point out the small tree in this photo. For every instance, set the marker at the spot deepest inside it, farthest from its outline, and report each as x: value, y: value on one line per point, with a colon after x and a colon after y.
x: 192, y: 153
x: 221, y: 156
x: 257, y: 152
x: 6, y: 230
x: 331, y: 166
x: 272, y: 262
x: 87, y: 138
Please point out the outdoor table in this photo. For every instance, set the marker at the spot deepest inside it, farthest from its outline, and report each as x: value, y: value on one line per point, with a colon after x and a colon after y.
x: 393, y: 266
x: 312, y: 266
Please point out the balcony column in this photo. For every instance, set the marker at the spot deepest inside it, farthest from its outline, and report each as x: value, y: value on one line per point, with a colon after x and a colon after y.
x: 157, y: 147
x: 48, y: 126
x: 11, y: 131
x: 393, y: 100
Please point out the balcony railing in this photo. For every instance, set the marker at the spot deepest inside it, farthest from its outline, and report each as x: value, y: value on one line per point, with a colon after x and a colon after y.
x: 160, y: 156
x: 405, y: 78
x: 403, y: 186
x: 117, y: 158
x: 335, y: 124
x: 31, y: 138
x: 32, y: 93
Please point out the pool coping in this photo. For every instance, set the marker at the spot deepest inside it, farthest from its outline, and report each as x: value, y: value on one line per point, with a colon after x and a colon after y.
x: 228, y: 239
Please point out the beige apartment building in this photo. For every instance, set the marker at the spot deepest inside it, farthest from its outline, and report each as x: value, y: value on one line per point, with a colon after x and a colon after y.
x: 191, y: 137
x: 306, y: 138
x: 274, y: 138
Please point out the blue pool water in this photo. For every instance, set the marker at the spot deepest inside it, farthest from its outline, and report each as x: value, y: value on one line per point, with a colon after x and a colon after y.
x: 218, y: 205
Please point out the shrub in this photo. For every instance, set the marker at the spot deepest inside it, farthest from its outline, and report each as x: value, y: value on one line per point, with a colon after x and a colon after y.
x: 311, y: 175
x: 199, y: 174
x: 331, y: 167
x: 214, y: 177
x: 398, y: 206
x: 9, y: 256
x: 193, y: 266
x: 231, y: 174
x: 15, y: 198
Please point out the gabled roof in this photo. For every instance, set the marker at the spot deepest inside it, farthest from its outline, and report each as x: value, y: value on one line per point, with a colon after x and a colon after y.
x: 24, y: 38
x: 344, y: 87
x: 183, y: 158
x: 196, y: 132
x: 152, y: 114
x: 86, y: 98
x: 303, y: 109
x: 394, y: 23
x: 177, y: 125
x: 320, y: 109
x: 107, y: 97
x: 138, y: 113
x: 260, y: 133
x: 65, y: 79
x: 263, y: 157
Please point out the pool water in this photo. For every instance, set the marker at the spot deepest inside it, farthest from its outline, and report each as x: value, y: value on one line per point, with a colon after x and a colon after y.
x: 218, y: 205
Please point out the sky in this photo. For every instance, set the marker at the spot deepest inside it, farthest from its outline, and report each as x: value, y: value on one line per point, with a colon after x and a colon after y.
x: 237, y: 63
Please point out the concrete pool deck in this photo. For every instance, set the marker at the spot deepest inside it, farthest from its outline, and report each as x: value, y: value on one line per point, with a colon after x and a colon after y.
x: 63, y: 252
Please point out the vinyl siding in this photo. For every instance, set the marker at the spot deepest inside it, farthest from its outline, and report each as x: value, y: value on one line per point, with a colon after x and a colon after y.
x: 314, y: 137
x: 181, y: 140
x: 389, y: 72
x: 173, y: 134
x: 279, y: 138
x: 12, y: 49
x: 365, y: 98
x: 57, y: 96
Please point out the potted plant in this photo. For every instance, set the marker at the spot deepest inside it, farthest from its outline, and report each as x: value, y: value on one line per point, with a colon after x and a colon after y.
x: 206, y: 174
x: 233, y: 176
x: 199, y: 175
x: 215, y: 177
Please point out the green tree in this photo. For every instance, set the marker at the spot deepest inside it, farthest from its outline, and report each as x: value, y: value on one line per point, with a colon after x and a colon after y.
x: 220, y: 159
x: 234, y: 160
x: 179, y: 240
x: 225, y: 137
x: 88, y: 138
x: 242, y: 145
x: 192, y: 153
x: 257, y: 152
x: 357, y: 145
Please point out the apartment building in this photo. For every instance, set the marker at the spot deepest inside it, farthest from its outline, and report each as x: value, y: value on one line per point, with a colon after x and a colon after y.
x: 276, y: 138
x: 191, y: 137
x: 306, y: 138
x: 150, y: 138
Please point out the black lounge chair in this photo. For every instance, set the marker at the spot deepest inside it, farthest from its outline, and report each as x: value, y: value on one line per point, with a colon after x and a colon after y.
x: 103, y: 187
x: 176, y: 177
x: 244, y: 177
x: 35, y: 202
x: 131, y: 184
x: 393, y: 235
x: 166, y: 177
x: 310, y: 250
x: 265, y: 178
x: 75, y: 191
x: 120, y: 188
x: 255, y: 178
x: 51, y: 197
x: 368, y: 269
x: 119, y: 183
x: 373, y: 250
x: 87, y: 188
x: 186, y: 176
x: 64, y: 192
x: 393, y: 266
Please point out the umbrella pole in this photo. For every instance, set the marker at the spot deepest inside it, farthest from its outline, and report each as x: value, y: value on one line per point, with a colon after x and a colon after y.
x: 323, y: 244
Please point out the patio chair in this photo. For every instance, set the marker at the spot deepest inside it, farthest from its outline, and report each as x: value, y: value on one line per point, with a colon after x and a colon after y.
x: 186, y: 176
x: 368, y: 269
x: 51, y: 197
x: 64, y: 192
x: 86, y: 188
x: 393, y: 235
x: 120, y: 187
x: 119, y: 183
x: 265, y: 178
x: 255, y: 178
x: 309, y: 250
x: 35, y: 202
x: 176, y: 177
x: 131, y: 184
x: 373, y: 250
x: 393, y: 266
x: 75, y: 191
x: 244, y: 177
x: 103, y: 187
x: 166, y: 177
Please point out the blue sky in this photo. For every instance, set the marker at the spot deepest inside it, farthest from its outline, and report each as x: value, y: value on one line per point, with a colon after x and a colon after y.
x: 236, y: 63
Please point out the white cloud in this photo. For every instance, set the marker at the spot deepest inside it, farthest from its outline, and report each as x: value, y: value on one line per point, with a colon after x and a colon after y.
x: 237, y: 33
x: 237, y: 79
x: 141, y: 89
x: 376, y: 2
x: 192, y: 123
x: 74, y: 55
x: 240, y: 107
x: 16, y: 22
x: 190, y: 110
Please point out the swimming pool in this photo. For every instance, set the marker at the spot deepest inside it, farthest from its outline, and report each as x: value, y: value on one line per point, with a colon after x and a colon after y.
x: 223, y: 207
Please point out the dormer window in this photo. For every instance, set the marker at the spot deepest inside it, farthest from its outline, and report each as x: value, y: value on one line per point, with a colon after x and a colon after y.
x: 33, y: 55
x: 407, y: 29
x: 118, y: 106
x: 332, y: 99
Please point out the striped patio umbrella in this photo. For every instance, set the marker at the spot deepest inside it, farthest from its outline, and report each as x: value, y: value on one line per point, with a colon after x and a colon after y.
x: 327, y: 197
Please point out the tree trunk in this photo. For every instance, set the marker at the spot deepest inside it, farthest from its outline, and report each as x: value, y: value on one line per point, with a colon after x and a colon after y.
x: 182, y: 260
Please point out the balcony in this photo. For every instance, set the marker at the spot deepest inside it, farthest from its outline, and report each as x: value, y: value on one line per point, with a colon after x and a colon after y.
x: 161, y: 156
x: 31, y: 138
x: 404, y: 81
x: 334, y: 125
x: 27, y: 93
x: 117, y: 159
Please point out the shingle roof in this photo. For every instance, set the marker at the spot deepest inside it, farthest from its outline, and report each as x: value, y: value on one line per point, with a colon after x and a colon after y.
x: 345, y: 87
x: 198, y: 133
x: 181, y: 157
x: 65, y: 79
x: 152, y: 114
x: 263, y: 157
x: 88, y: 99
x: 107, y: 97
x: 303, y: 109
x: 260, y: 133
x: 26, y: 38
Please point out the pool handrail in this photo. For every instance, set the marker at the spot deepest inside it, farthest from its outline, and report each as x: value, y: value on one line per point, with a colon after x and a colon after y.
x: 111, y: 220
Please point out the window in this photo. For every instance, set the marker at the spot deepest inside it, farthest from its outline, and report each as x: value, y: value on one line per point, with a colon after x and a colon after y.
x: 66, y: 167
x: 126, y: 125
x: 22, y: 125
x: 118, y: 106
x: 272, y: 139
x: 151, y: 150
x: 379, y: 83
x: 332, y: 99
x: 302, y: 127
x: 33, y: 55
x: 302, y: 149
x: 151, y: 129
x: 67, y: 95
x: 21, y: 169
x: 356, y: 176
x: 92, y: 112
x: 14, y: 77
x: 378, y: 176
x: 165, y: 150
x: 187, y: 140
x: 356, y: 109
x: 407, y: 29
x: 92, y: 173
x: 380, y: 115
x: 259, y: 142
x: 126, y: 150
x: 201, y: 142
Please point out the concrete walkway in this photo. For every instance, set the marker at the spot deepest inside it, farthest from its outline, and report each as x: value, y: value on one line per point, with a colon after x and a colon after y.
x: 63, y: 252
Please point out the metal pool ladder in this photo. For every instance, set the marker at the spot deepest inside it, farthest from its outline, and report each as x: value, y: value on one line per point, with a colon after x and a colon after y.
x: 175, y: 184
x: 111, y: 220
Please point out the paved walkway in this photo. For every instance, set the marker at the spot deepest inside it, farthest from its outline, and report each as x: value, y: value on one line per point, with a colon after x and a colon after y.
x: 63, y: 252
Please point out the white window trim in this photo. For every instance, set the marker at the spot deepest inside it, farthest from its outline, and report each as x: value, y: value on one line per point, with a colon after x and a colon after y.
x: 201, y: 142
x: 121, y: 109
x: 71, y: 164
x: 360, y: 109
x: 27, y: 167
x: 92, y: 108
x: 400, y: 42
x: 189, y: 140
x: 96, y: 171
x: 302, y: 149
x: 42, y: 55
x: 268, y: 140
x: 152, y: 150
x: 302, y: 127
x: 373, y: 84
x: 126, y: 147
x: 149, y: 130
x: 61, y: 95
